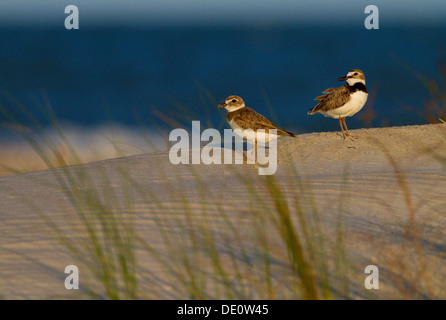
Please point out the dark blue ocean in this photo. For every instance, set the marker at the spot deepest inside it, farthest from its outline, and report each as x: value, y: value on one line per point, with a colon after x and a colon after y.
x: 128, y: 75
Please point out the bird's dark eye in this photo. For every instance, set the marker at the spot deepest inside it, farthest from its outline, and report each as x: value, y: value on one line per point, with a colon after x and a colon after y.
x: 233, y: 100
x: 355, y: 74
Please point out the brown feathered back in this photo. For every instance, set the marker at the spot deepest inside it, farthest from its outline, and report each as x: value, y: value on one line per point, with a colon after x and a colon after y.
x: 248, y: 118
x: 336, y: 97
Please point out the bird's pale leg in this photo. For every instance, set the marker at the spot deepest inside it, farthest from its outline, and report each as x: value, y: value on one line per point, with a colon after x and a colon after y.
x: 255, y: 148
x: 245, y: 156
x: 348, y: 133
x: 345, y: 125
x: 340, y: 123
x: 254, y: 151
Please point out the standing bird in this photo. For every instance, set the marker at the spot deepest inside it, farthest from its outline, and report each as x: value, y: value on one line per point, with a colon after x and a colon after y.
x: 344, y: 101
x: 243, y: 118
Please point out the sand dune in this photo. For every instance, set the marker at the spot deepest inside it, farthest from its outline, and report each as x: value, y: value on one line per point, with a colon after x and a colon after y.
x: 387, y: 187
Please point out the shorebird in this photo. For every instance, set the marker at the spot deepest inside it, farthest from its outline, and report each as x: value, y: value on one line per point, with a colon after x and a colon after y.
x: 344, y: 101
x: 243, y: 118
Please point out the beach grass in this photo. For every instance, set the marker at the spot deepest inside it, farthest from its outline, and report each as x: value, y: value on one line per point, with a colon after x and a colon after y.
x: 433, y: 109
x: 285, y: 252
x: 107, y: 241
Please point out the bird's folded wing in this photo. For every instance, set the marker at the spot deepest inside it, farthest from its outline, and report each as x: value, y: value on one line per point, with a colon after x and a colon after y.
x: 326, y: 92
x: 255, y: 121
x: 330, y: 90
x: 334, y: 98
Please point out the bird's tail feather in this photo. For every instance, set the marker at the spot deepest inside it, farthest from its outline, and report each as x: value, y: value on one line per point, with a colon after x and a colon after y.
x: 286, y: 133
x: 311, y: 111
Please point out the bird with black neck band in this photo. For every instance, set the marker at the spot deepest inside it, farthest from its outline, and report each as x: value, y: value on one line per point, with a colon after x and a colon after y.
x: 344, y: 101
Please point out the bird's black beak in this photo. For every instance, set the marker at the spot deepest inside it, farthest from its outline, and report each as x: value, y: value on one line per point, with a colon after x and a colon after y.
x: 343, y: 78
x: 221, y: 105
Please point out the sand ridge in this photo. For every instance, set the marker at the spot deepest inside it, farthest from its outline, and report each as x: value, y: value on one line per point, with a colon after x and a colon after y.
x: 359, y: 170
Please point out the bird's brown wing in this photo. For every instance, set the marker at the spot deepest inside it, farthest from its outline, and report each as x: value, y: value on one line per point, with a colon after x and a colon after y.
x: 330, y: 90
x: 332, y: 99
x: 248, y: 118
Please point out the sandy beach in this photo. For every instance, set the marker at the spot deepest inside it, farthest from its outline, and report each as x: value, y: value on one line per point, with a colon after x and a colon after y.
x: 378, y: 199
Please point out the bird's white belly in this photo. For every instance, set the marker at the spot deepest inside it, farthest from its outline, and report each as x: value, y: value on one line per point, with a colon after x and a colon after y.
x: 251, y: 135
x: 356, y: 102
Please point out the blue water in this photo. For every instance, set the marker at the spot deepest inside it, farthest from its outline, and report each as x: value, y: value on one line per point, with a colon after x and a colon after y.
x: 93, y: 75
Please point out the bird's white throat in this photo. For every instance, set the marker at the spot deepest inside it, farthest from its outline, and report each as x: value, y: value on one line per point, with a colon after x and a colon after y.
x: 353, y: 81
x: 233, y: 108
